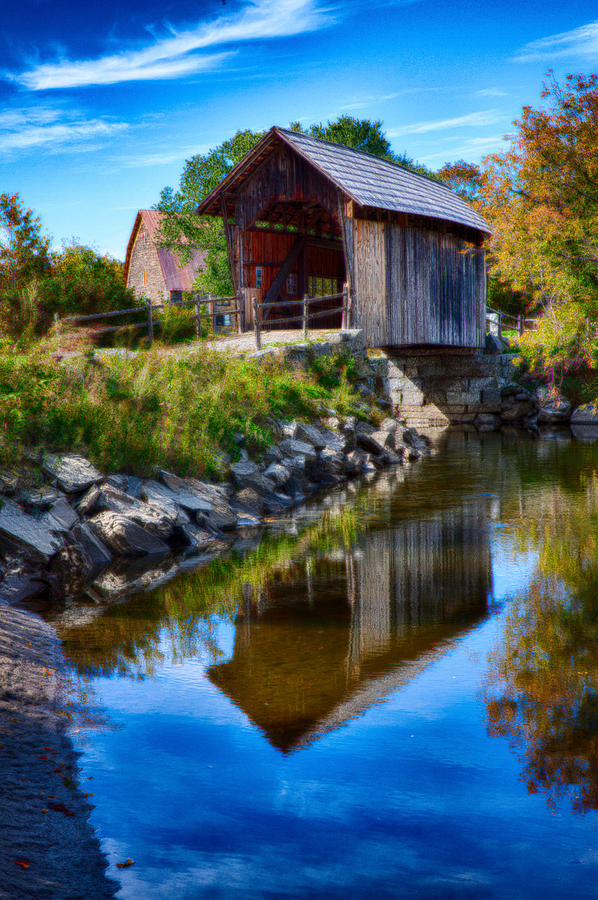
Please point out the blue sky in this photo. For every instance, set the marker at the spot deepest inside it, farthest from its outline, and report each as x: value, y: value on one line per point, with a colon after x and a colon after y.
x: 103, y: 102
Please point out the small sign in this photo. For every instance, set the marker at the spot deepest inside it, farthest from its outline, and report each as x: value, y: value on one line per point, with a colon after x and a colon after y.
x: 259, y: 277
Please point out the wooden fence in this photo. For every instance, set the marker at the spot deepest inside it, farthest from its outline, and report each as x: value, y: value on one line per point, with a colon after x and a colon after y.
x: 217, y: 306
x: 304, y: 315
x: 496, y: 321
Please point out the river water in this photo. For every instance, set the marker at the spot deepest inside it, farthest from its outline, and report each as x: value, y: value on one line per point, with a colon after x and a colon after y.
x: 394, y: 693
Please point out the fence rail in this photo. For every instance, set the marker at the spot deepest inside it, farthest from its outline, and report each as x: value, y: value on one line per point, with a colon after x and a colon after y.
x: 304, y: 315
x: 496, y: 321
x: 218, y: 306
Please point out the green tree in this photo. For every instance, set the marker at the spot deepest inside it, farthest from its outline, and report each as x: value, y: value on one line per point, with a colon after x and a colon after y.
x: 182, y: 230
x: 361, y: 134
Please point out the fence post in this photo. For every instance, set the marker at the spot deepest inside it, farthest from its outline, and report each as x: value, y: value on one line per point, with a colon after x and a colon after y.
x: 305, y: 314
x: 197, y: 315
x: 500, y: 325
x: 257, y: 324
x: 345, y: 313
x: 150, y: 322
x: 520, y: 324
x: 211, y: 311
x: 57, y: 325
x: 238, y: 314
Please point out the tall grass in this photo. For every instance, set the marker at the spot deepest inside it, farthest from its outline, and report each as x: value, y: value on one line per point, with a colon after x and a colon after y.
x: 155, y: 409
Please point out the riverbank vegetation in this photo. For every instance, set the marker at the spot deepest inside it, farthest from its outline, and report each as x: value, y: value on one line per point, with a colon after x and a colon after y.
x: 134, y: 412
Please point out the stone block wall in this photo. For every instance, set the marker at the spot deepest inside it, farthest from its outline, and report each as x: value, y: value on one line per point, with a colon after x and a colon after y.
x: 144, y: 258
x: 438, y: 388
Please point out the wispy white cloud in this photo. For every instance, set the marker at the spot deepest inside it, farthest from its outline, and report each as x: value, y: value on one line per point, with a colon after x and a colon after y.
x: 491, y: 92
x: 366, y: 102
x: 582, y: 41
x: 471, y: 150
x: 175, y: 53
x: 164, y: 158
x: 54, y: 129
x: 471, y: 120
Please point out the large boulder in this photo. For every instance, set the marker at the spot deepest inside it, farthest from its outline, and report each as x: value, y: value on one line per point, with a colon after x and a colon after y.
x: 153, y: 518
x: 97, y: 551
x: 20, y: 531
x: 587, y: 414
x: 310, y: 434
x: 158, y: 495
x: 553, y: 406
x: 124, y: 536
x: 278, y: 474
x: 72, y: 472
x: 184, y: 492
x: 60, y: 517
x: 516, y: 403
x: 290, y: 448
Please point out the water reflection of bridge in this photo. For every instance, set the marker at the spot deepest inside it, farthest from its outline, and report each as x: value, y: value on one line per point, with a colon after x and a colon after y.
x: 347, y: 629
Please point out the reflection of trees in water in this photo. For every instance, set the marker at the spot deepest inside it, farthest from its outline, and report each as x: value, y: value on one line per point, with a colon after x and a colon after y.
x: 542, y: 689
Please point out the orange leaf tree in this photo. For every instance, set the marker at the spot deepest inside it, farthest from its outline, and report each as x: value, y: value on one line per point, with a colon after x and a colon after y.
x: 541, y: 198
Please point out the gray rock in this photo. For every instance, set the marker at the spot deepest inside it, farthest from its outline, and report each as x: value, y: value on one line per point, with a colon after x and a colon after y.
x: 9, y: 482
x: 354, y: 462
x: 553, y: 406
x: 120, y: 482
x: 291, y: 448
x: 333, y: 440
x: 22, y: 531
x: 278, y: 474
x: 587, y: 414
x: 124, y: 536
x: 247, y: 474
x: 72, y: 472
x: 494, y: 344
x: 153, y: 518
x: 186, y: 493
x: 40, y: 497
x: 60, y: 517
x: 97, y: 551
x: 310, y: 434
x: 332, y: 461
x: 195, y: 536
x: 157, y: 494
x: 87, y: 505
x: 374, y: 441
x: 134, y: 486
x: 389, y: 425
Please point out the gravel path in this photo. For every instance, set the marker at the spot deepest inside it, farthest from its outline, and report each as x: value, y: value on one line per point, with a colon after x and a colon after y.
x: 47, y: 845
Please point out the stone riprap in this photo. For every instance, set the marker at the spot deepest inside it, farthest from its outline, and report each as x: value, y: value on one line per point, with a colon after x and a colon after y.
x: 72, y: 530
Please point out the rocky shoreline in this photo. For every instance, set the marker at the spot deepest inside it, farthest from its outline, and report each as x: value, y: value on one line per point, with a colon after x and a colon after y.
x: 61, y: 534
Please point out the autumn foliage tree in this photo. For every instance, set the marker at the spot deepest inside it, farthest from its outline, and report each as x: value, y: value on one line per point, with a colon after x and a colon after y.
x: 541, y: 198
x: 23, y: 248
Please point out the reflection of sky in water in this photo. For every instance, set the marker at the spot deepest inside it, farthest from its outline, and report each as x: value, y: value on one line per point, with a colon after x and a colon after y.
x: 409, y: 798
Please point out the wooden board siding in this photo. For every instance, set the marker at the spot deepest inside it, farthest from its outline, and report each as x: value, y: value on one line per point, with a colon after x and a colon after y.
x: 415, y: 285
x: 282, y: 178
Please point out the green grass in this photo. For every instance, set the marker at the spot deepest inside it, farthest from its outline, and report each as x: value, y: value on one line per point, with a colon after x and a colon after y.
x: 156, y: 409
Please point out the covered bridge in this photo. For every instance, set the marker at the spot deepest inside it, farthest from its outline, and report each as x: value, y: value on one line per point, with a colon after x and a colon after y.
x: 303, y: 216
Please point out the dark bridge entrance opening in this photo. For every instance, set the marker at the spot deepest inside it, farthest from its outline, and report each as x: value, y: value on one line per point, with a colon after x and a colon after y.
x: 293, y: 250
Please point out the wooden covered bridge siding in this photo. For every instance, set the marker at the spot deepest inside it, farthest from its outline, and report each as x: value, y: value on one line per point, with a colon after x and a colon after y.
x: 296, y: 209
x: 409, y: 248
x: 416, y: 286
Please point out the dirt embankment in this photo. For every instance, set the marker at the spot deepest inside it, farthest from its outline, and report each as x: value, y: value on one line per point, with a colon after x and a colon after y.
x: 47, y: 845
